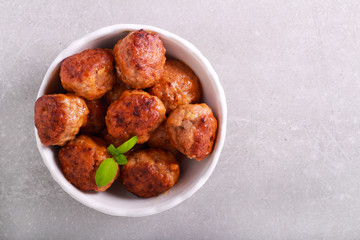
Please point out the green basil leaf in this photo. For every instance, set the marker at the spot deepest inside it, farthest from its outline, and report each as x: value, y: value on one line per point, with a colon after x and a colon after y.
x: 106, y: 172
x: 121, y: 159
x: 112, y: 150
x: 126, y: 146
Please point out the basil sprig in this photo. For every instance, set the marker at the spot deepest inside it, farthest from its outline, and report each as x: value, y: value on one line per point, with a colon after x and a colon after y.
x: 107, y: 169
x: 106, y: 172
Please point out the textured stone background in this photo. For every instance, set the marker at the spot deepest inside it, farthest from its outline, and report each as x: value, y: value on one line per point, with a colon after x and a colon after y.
x: 290, y: 168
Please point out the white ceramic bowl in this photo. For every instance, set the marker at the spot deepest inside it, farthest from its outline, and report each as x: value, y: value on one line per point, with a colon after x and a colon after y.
x: 116, y: 200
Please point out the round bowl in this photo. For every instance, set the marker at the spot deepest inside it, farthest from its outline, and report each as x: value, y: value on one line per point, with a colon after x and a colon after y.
x: 116, y: 200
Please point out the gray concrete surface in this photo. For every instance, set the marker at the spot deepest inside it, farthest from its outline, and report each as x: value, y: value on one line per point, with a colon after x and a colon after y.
x: 290, y: 168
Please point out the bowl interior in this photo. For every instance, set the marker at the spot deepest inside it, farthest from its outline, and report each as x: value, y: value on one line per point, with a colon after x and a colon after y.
x: 116, y: 200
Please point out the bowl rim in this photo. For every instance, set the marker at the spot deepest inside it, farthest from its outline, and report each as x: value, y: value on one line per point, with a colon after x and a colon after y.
x: 103, y: 32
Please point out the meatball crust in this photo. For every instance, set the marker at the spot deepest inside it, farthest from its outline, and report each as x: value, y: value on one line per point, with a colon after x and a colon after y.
x: 135, y: 113
x: 140, y: 59
x: 114, y: 94
x: 58, y: 117
x: 178, y: 85
x: 192, y: 129
x: 110, y: 139
x: 80, y: 159
x: 89, y: 74
x: 160, y: 139
x: 96, y: 118
x: 150, y: 172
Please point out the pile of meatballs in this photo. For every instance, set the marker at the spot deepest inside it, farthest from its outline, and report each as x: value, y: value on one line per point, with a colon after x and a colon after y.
x: 115, y: 94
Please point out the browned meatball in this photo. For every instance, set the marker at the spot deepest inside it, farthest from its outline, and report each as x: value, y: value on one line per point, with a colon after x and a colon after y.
x: 81, y: 158
x: 90, y: 74
x: 192, y: 129
x: 58, y: 117
x: 114, y: 94
x: 160, y: 139
x: 135, y: 113
x: 96, y: 118
x: 140, y: 59
x: 150, y: 172
x: 110, y: 139
x: 178, y: 85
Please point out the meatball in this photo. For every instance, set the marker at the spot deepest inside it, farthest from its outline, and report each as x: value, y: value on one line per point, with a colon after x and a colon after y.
x: 90, y: 74
x: 150, y: 172
x: 110, y: 139
x: 58, y: 117
x: 96, y: 118
x: 178, y: 85
x: 140, y: 59
x: 135, y: 113
x: 114, y: 94
x: 192, y: 129
x: 80, y: 159
x: 160, y: 139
